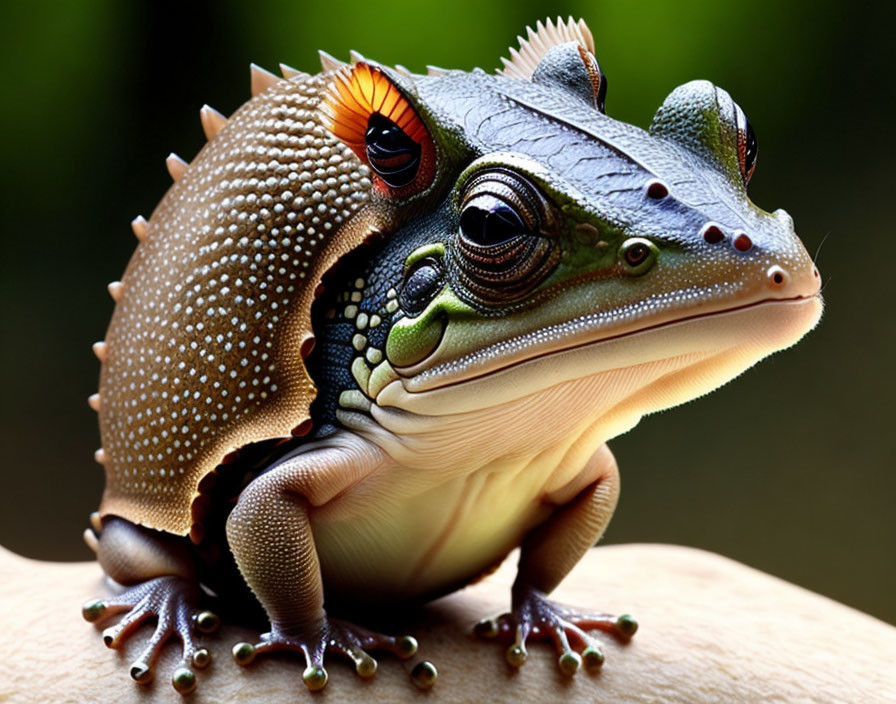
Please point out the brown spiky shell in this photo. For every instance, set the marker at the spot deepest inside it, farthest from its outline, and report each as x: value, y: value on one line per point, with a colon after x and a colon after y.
x: 204, y: 353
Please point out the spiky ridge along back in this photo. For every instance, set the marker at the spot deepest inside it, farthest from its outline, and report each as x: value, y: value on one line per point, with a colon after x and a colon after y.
x: 205, y: 350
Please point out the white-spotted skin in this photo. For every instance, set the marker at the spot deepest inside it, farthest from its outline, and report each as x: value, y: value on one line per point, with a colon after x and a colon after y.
x: 202, y: 353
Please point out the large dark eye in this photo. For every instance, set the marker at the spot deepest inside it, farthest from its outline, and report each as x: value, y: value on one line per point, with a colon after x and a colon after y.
x: 502, y: 251
x: 392, y: 154
x: 490, y: 221
x: 747, y: 147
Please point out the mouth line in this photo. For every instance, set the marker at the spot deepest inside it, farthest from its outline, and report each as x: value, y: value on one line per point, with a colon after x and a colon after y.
x: 623, y: 335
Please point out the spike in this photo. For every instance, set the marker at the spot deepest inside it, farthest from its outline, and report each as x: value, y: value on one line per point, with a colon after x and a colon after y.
x: 94, y: 402
x: 116, y: 288
x: 138, y: 225
x: 329, y: 63
x: 547, y: 34
x: 261, y: 80
x: 99, y: 349
x: 289, y: 71
x: 96, y: 522
x: 403, y: 71
x: 100, y: 456
x: 176, y: 166
x: 435, y: 70
x: 212, y: 121
x: 90, y: 539
x: 356, y: 57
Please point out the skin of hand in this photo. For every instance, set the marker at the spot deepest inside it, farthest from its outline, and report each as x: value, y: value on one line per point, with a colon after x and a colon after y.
x: 711, y: 630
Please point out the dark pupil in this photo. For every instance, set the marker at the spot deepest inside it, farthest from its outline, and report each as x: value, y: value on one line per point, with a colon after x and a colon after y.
x: 636, y: 254
x: 750, y: 150
x: 490, y: 227
x: 393, y: 155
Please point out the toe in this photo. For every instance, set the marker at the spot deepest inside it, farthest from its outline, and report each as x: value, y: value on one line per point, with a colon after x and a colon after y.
x: 183, y: 680
x: 315, y: 677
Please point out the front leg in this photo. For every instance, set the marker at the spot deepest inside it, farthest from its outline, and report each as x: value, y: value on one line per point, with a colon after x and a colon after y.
x: 548, y: 554
x: 270, y: 536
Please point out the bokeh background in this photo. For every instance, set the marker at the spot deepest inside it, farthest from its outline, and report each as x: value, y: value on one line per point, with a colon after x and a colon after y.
x: 790, y: 468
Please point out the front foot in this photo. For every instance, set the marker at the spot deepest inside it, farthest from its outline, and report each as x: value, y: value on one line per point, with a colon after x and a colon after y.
x: 173, y: 602
x: 332, y: 636
x: 534, y: 617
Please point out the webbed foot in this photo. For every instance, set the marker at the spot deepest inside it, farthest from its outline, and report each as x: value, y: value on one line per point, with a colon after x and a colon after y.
x: 173, y: 602
x: 331, y: 636
x: 534, y: 617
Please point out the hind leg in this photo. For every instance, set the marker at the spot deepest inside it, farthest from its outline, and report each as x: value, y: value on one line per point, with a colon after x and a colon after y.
x: 160, y: 574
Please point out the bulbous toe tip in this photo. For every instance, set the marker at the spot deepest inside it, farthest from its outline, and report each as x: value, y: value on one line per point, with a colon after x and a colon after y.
x: 569, y: 663
x: 424, y: 675
x: 626, y: 625
x: 243, y: 653
x: 406, y: 647
x: 516, y: 655
x: 141, y: 673
x: 315, y: 678
x: 183, y: 680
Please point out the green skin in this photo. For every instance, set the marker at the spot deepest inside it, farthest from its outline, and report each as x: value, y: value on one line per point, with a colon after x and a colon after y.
x: 473, y: 418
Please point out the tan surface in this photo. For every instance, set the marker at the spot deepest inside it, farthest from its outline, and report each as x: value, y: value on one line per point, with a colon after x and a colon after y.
x: 712, y: 630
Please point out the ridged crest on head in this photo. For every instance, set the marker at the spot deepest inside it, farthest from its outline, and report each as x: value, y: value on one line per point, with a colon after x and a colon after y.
x: 523, y: 61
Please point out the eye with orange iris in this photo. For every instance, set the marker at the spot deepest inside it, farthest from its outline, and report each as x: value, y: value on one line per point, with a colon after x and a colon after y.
x: 366, y: 110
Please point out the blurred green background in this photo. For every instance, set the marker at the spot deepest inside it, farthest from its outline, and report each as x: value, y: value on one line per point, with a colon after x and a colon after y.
x: 790, y: 468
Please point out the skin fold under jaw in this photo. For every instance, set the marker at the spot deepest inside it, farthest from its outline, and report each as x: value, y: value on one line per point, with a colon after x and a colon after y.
x: 379, y: 331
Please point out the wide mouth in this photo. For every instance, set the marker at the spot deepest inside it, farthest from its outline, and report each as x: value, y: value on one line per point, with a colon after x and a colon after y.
x: 579, y: 333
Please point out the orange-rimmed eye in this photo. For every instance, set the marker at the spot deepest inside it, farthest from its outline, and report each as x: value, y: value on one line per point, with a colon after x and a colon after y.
x: 370, y: 114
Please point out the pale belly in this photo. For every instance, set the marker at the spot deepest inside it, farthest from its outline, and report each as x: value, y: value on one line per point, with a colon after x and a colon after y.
x: 399, y: 535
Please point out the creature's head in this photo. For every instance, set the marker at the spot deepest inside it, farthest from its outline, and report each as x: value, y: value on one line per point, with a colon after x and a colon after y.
x: 544, y: 241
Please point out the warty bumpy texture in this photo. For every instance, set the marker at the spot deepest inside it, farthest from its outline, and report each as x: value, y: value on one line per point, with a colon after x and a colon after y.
x: 205, y: 349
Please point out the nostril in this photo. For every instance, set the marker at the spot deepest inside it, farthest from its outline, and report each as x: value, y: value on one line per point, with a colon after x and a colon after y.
x: 815, y: 272
x: 656, y: 189
x: 742, y: 242
x: 777, y: 276
x: 712, y: 233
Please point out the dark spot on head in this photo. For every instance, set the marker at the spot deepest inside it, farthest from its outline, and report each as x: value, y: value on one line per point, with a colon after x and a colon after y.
x: 657, y: 189
x: 712, y: 234
x: 742, y: 243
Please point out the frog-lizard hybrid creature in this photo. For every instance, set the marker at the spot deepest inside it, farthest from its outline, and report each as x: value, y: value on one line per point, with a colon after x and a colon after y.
x: 378, y: 332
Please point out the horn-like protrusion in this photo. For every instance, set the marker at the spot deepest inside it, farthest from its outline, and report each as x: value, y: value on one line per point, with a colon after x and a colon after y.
x: 522, y: 62
x: 356, y: 57
x: 261, y: 80
x: 212, y: 121
x: 435, y: 70
x: 289, y: 72
x: 116, y: 288
x: 404, y: 71
x: 138, y: 225
x: 176, y: 166
x: 99, y: 349
x: 90, y: 539
x: 100, y: 456
x: 94, y: 402
x: 328, y: 62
